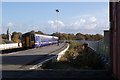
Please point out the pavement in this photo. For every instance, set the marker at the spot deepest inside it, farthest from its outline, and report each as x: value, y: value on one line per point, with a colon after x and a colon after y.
x: 23, y: 60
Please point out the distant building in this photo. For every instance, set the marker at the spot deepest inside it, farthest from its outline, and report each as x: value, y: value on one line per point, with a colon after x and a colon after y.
x: 8, y: 35
x: 8, y: 40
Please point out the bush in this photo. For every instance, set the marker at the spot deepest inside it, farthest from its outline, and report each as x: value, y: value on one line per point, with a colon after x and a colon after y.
x: 77, y: 58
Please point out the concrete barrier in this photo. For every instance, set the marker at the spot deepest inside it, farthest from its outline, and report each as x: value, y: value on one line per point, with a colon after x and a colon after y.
x: 62, y: 53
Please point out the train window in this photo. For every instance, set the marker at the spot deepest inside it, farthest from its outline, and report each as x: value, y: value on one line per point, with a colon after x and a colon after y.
x: 46, y: 39
x: 37, y: 38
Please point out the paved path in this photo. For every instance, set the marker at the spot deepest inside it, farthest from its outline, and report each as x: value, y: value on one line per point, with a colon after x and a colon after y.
x: 23, y: 60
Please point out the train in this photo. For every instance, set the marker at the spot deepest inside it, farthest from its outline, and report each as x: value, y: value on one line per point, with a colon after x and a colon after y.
x: 33, y: 40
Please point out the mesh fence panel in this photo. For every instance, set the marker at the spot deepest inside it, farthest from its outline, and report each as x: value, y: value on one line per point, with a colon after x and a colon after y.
x: 100, y: 48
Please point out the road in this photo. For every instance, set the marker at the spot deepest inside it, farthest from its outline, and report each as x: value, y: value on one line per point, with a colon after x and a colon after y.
x: 23, y: 60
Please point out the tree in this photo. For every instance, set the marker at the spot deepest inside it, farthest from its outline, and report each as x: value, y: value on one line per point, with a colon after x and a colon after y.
x: 4, y: 36
x: 32, y: 31
x: 16, y: 37
x: 71, y: 36
x: 87, y: 36
x: 39, y: 32
x: 54, y: 34
x: 80, y: 36
x: 98, y: 37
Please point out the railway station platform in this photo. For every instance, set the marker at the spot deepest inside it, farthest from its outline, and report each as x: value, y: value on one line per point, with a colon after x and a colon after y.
x: 23, y: 60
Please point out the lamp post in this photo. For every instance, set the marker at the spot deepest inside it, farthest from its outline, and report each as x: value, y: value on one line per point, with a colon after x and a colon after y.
x: 57, y: 25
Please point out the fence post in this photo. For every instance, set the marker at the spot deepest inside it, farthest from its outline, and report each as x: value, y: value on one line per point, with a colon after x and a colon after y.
x: 105, y: 53
x: 98, y: 48
x: 108, y: 53
x: 94, y: 46
x: 102, y: 47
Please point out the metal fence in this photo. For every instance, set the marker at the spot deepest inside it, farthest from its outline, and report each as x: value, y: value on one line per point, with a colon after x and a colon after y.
x: 101, y: 48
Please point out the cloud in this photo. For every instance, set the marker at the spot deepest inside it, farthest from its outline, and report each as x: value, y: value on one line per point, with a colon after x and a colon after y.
x: 54, y: 23
x: 83, y: 24
x: 87, y: 24
x: 82, y: 20
x: 51, y: 22
x: 60, y: 23
x: 10, y: 24
x: 92, y: 19
x: 18, y: 27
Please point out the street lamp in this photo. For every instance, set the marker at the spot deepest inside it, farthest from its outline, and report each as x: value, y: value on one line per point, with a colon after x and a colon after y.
x: 57, y: 25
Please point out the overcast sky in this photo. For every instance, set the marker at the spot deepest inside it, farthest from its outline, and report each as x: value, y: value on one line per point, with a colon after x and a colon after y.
x: 74, y: 17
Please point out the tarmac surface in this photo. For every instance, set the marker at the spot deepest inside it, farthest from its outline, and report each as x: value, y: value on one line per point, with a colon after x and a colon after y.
x: 23, y: 60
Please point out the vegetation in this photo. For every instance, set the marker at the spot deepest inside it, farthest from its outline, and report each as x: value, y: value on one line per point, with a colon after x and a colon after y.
x: 77, y: 57
x: 78, y: 36
x: 39, y: 32
x: 17, y: 36
x: 4, y: 36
